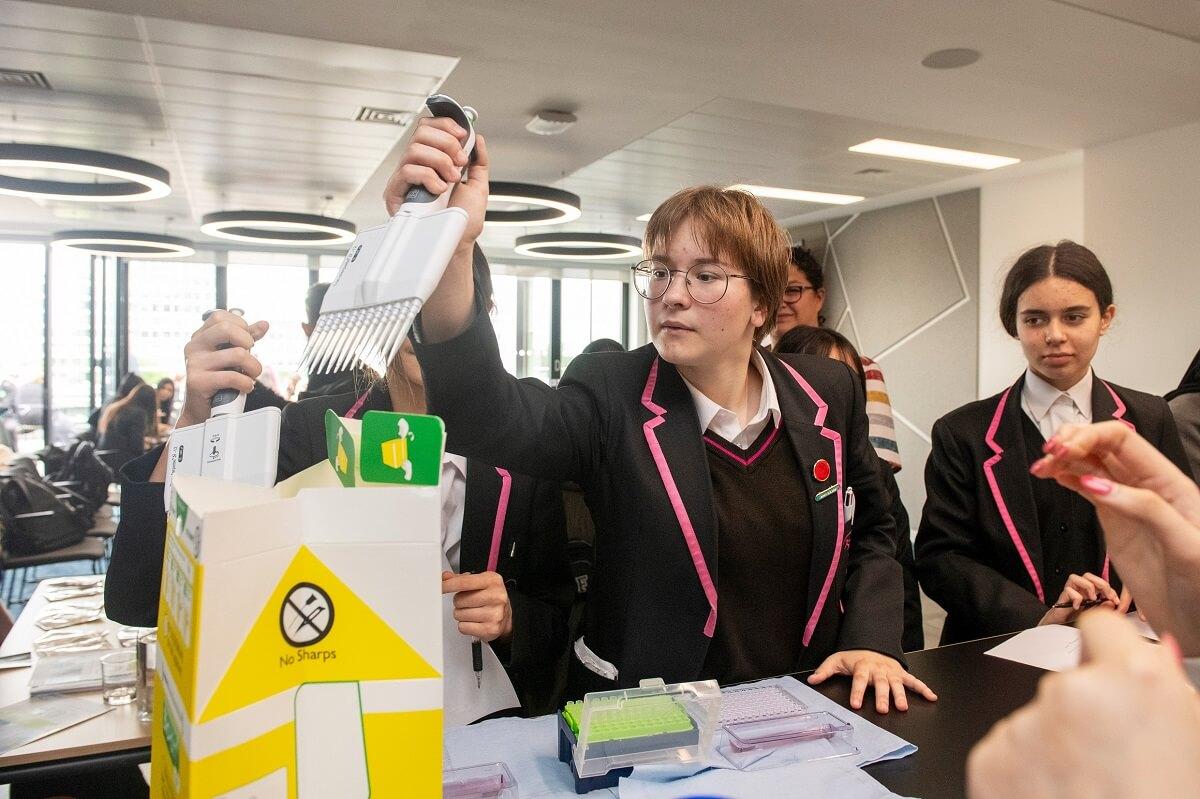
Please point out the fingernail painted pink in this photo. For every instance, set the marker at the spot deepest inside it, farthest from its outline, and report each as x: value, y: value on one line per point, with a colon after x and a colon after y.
x: 1096, y: 485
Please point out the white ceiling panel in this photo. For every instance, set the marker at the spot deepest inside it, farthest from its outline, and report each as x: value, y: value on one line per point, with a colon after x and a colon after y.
x: 727, y: 141
x: 241, y: 119
x: 251, y: 103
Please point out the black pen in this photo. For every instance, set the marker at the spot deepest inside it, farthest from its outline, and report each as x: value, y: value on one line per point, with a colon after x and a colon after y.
x: 1087, y: 603
x: 477, y: 662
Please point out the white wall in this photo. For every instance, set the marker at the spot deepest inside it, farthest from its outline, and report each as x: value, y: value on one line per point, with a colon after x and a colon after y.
x: 1014, y: 215
x: 1142, y: 218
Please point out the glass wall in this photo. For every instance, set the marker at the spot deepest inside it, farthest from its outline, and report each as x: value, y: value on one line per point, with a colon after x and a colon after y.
x: 272, y: 287
x: 71, y: 378
x: 591, y: 309
x: 22, y: 369
x: 163, y: 301
x: 167, y: 300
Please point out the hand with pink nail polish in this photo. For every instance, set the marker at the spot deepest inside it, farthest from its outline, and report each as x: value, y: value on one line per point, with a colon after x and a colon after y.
x: 1150, y: 512
x: 1126, y: 723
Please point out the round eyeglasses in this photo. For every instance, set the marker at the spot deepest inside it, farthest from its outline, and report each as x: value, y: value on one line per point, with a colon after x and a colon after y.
x: 706, y: 283
x: 794, y: 292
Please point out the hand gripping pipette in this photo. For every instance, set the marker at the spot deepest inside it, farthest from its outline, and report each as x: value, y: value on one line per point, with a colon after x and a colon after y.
x: 230, y: 445
x: 389, y: 272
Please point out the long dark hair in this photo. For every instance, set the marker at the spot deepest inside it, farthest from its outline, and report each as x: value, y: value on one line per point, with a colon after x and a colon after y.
x: 143, y: 400
x: 128, y: 383
x: 820, y: 341
x: 1066, y: 260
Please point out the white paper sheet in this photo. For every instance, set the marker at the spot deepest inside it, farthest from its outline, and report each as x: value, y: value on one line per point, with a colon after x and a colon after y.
x: 465, y: 701
x: 1053, y: 647
x: 795, y: 781
x: 1143, y: 629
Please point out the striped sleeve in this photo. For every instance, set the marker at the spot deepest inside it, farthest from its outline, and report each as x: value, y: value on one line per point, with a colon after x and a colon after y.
x: 879, y: 414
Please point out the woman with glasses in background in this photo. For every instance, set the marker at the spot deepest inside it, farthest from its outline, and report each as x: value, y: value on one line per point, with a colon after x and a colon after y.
x: 803, y: 299
x: 723, y: 481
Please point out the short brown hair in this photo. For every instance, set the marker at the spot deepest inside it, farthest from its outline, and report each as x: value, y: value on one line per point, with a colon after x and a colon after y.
x: 738, y: 229
x: 1067, y: 260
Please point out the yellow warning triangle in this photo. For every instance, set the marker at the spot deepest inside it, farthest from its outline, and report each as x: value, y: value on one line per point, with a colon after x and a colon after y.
x: 313, y: 629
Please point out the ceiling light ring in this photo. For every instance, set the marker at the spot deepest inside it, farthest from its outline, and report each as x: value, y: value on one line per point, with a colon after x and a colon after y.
x: 551, y: 206
x: 124, y: 243
x: 136, y: 180
x: 278, y: 227
x: 579, y: 246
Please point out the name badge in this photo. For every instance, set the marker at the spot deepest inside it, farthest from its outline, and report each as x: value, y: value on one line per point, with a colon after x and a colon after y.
x: 827, y: 492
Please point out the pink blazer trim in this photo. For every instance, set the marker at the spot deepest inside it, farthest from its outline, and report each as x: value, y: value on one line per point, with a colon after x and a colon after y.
x: 1005, y: 516
x: 1119, y: 413
x: 501, y: 512
x: 681, y: 514
x: 745, y: 461
x: 836, y: 438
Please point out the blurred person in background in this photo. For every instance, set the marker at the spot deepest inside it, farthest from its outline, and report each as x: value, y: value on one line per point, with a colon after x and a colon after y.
x: 133, y: 420
x: 802, y: 302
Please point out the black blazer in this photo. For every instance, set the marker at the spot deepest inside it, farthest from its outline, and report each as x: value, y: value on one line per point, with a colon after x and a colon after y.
x: 624, y: 427
x: 533, y: 551
x: 978, y: 549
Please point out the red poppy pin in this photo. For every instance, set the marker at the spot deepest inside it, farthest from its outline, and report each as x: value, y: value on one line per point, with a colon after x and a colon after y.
x: 821, y: 470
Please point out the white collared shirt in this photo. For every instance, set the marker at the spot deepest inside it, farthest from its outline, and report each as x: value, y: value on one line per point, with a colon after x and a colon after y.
x: 1050, y: 408
x: 725, y: 423
x: 454, y: 501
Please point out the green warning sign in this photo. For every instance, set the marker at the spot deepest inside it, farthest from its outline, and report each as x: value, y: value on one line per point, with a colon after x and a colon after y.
x: 339, y: 446
x: 401, y: 448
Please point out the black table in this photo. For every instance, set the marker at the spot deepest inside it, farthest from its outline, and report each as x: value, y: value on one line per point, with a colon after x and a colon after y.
x: 974, y: 692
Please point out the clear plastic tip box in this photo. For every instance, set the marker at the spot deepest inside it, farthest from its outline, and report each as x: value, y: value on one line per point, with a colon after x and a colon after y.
x: 603, y: 737
x: 489, y: 781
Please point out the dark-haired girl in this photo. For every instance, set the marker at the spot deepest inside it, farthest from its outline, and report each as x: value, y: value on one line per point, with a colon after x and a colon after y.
x: 132, y: 422
x: 997, y: 548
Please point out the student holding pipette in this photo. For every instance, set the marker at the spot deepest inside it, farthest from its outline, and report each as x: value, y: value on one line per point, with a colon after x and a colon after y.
x: 503, y: 533
x: 741, y: 528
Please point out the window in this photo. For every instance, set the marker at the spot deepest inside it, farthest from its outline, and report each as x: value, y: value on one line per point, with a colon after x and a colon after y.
x: 272, y: 287
x: 504, y: 319
x: 70, y: 342
x: 522, y: 319
x: 329, y: 266
x: 167, y: 300
x: 591, y: 309
x: 22, y: 371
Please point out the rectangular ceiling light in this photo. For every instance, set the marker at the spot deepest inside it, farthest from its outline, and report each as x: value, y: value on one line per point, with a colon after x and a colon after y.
x: 642, y: 218
x: 936, y: 155
x: 798, y: 195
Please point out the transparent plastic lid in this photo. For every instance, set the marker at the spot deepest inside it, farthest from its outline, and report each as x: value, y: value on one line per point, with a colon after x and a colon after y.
x: 654, y: 723
x: 487, y: 781
x: 804, y: 737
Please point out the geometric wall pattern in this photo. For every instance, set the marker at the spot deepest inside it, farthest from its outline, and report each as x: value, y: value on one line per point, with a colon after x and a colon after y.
x: 900, y: 283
